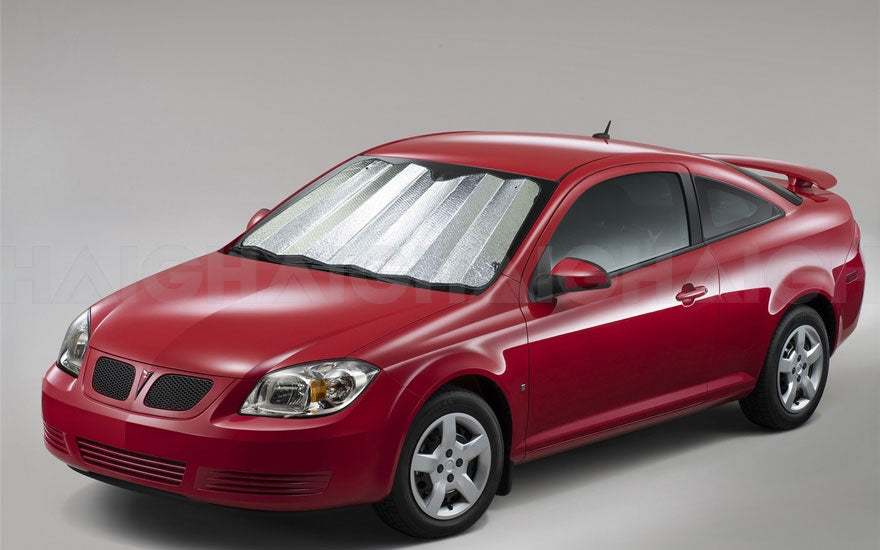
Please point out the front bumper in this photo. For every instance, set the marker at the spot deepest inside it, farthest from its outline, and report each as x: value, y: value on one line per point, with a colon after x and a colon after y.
x: 224, y: 458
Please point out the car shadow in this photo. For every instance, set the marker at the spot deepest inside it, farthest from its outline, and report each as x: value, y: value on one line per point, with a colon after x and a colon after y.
x: 579, y: 467
x: 179, y: 523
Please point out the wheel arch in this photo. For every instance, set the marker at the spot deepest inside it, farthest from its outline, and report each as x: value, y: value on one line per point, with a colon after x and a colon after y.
x: 822, y: 305
x: 495, y: 397
x: 812, y: 286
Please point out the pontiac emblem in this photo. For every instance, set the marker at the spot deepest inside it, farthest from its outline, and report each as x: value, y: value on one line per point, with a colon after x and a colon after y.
x: 145, y: 375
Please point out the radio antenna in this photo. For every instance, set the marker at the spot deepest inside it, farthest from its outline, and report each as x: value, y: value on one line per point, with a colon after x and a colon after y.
x: 604, y: 134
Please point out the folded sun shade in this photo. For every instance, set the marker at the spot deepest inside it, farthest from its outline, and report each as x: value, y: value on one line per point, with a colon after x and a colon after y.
x: 401, y: 219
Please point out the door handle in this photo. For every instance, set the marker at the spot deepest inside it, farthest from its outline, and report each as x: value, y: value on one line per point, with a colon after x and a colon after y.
x: 689, y: 293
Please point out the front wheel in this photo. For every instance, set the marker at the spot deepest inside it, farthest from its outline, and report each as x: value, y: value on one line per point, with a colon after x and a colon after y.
x: 794, y: 374
x: 449, y: 469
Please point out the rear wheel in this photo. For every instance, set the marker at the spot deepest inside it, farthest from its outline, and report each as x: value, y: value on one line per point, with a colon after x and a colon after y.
x: 793, y: 378
x: 449, y: 469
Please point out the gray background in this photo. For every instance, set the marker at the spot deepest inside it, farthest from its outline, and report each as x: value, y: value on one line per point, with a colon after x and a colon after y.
x: 137, y: 135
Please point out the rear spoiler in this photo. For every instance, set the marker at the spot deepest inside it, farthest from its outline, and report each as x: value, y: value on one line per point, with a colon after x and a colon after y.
x: 798, y: 176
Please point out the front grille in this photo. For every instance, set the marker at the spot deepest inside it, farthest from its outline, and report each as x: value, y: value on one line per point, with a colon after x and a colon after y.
x: 141, y: 466
x: 245, y: 483
x: 55, y: 438
x: 113, y: 378
x: 175, y: 392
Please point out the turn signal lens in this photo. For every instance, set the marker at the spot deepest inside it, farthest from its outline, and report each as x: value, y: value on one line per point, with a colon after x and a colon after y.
x: 318, y: 390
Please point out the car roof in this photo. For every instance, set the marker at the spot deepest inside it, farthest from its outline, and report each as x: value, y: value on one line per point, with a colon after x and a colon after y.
x: 546, y: 156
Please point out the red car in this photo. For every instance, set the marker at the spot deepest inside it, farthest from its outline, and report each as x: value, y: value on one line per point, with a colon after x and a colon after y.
x: 405, y: 328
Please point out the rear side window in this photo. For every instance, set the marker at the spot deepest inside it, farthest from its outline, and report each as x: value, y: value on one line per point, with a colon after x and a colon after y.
x: 786, y: 194
x: 725, y: 208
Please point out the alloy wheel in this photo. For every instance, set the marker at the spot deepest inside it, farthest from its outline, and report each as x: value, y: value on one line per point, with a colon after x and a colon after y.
x: 801, y: 366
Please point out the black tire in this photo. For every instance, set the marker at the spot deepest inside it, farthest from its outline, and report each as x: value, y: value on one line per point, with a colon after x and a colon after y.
x: 764, y: 406
x: 400, y: 510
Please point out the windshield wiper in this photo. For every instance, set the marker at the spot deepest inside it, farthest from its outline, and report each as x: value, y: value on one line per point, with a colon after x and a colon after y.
x: 256, y: 253
x: 343, y: 269
x: 298, y: 260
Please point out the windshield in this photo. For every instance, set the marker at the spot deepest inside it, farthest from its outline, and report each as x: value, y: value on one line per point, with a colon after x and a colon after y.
x: 437, y: 224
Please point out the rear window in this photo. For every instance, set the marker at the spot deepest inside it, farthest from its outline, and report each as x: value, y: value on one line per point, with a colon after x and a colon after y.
x: 436, y: 224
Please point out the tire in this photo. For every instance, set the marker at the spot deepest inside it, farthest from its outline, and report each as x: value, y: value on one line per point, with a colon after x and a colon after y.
x: 784, y: 399
x: 451, y: 512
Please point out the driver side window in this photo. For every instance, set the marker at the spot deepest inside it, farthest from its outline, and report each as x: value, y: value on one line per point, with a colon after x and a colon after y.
x: 622, y: 222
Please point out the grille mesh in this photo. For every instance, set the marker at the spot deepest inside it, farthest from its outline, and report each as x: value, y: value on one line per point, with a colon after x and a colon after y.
x: 175, y: 392
x: 113, y: 378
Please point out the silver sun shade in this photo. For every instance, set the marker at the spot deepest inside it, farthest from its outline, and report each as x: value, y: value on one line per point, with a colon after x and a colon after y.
x: 396, y: 219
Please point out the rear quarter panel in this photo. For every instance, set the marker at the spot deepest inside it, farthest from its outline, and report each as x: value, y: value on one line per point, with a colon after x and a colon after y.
x: 765, y: 270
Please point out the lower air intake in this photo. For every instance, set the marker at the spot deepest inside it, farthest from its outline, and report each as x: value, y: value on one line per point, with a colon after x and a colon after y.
x: 119, y: 461
x: 55, y: 438
x: 247, y: 483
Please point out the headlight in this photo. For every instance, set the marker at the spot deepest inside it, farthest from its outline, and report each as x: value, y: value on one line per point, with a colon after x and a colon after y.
x: 73, y: 347
x: 312, y: 389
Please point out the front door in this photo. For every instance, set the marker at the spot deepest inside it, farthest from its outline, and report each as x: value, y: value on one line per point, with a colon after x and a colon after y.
x: 640, y: 347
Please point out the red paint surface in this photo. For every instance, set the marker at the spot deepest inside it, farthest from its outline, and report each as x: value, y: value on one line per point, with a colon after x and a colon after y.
x: 593, y: 363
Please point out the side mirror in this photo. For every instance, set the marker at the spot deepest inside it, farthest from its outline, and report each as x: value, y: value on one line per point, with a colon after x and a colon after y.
x: 255, y: 219
x: 571, y: 274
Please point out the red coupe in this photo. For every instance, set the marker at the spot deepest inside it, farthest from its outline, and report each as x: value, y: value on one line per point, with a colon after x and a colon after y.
x: 408, y: 326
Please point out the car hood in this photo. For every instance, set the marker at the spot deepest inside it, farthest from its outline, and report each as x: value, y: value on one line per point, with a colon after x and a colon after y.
x: 229, y: 316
